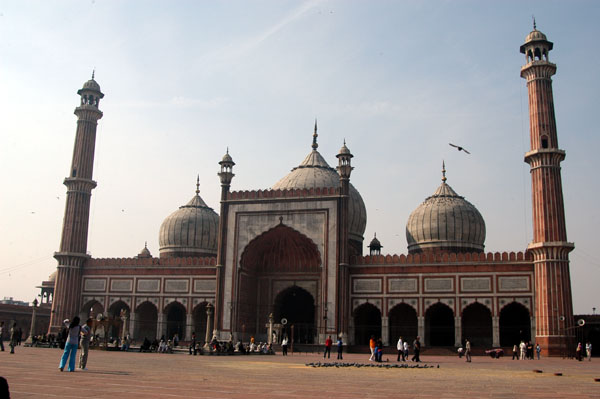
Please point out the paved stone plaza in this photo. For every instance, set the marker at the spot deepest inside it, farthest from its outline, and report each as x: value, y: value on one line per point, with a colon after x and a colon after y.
x: 33, y: 372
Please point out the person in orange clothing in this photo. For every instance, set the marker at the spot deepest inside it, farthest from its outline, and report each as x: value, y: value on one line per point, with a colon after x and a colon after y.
x: 372, y: 346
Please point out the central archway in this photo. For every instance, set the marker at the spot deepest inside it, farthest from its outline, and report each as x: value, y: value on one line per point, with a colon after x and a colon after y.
x: 297, y: 306
x: 279, y: 253
x: 146, y: 316
x: 439, y: 325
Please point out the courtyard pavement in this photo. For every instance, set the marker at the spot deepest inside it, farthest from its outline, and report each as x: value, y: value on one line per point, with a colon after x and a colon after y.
x: 33, y: 372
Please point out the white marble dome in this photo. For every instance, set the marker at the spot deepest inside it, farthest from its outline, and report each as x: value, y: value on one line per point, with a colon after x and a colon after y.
x: 315, y: 172
x: 191, y: 230
x: 445, y: 222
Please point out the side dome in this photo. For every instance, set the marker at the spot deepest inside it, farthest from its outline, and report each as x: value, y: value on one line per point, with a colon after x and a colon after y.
x: 189, y: 231
x: 315, y: 172
x: 445, y: 222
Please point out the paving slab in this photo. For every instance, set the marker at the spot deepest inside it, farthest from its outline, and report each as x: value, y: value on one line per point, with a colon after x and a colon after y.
x: 33, y: 372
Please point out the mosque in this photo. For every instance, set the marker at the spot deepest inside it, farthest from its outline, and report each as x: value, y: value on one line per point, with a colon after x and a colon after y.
x: 293, y: 256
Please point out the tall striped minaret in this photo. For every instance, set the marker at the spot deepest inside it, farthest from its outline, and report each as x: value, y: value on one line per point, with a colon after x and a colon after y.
x: 73, y: 243
x: 550, y: 248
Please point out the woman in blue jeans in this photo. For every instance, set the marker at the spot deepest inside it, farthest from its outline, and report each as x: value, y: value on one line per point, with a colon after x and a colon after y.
x: 71, y: 345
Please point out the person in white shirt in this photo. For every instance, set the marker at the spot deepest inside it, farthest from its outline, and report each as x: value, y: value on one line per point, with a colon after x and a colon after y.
x: 405, y: 350
x: 400, y: 347
x: 284, y: 345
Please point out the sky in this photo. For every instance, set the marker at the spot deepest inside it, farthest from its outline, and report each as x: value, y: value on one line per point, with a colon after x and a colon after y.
x: 185, y: 80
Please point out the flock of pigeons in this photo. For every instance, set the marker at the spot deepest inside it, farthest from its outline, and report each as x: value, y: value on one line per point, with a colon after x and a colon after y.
x: 378, y: 365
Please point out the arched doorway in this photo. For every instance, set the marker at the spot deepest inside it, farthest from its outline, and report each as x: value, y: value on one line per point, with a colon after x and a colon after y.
x: 146, y: 316
x: 284, y: 253
x: 515, y: 324
x: 297, y: 306
x: 115, y: 322
x: 92, y: 310
x: 477, y: 325
x: 403, y: 323
x: 175, y: 320
x: 593, y: 337
x: 439, y: 325
x: 367, y: 323
x: 199, y: 317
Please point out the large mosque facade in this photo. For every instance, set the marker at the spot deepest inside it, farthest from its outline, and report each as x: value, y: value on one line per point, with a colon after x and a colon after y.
x: 295, y: 254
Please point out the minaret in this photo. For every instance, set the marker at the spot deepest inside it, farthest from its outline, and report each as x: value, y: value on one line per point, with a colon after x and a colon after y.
x: 225, y: 175
x: 73, y: 244
x: 550, y: 248
x: 344, y: 169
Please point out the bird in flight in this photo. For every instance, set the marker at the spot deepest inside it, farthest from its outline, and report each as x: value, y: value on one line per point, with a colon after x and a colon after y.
x: 459, y: 148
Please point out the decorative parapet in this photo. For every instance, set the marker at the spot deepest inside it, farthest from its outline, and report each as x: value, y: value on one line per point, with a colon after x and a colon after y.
x: 189, y: 261
x: 425, y: 258
x: 291, y: 193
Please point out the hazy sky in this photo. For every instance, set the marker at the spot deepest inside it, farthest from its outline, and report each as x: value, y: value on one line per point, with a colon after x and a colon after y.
x: 183, y: 80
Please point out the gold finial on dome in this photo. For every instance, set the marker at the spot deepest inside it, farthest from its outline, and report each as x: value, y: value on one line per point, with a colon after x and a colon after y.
x: 198, y: 185
x: 315, y: 135
x: 534, y: 26
x: 444, y: 172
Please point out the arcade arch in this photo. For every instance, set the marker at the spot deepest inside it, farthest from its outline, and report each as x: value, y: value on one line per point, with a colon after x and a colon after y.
x: 146, y: 316
x: 439, y: 325
x: 403, y: 323
x: 176, y: 319
x: 367, y: 323
x: 477, y: 325
x: 515, y: 324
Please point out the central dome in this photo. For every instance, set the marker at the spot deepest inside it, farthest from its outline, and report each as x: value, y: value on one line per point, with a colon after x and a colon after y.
x: 190, y: 231
x: 445, y: 222
x: 315, y: 172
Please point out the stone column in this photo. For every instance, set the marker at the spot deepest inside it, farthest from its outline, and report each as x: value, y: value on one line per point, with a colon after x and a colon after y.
x: 270, y: 338
x: 458, y: 332
x: 495, y: 331
x: 189, y: 321
x: 209, y: 325
x: 351, y: 336
x: 132, y: 325
x: 29, y: 339
x: 161, y: 327
x: 421, y: 329
x: 124, y: 320
x: 385, y: 332
x: 533, y: 331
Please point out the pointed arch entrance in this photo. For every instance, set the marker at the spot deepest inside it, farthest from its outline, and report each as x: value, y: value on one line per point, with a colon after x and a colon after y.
x: 297, y: 306
x: 439, y: 325
x: 175, y: 320
x: 403, y: 323
x: 367, y: 323
x: 277, y: 255
x: 199, y: 318
x: 477, y: 325
x: 146, y: 316
x: 515, y: 324
x: 116, y: 326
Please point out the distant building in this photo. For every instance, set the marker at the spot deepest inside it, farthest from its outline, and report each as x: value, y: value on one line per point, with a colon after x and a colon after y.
x: 296, y: 252
x: 11, y: 301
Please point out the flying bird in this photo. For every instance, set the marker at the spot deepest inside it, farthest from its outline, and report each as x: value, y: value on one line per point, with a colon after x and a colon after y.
x: 459, y: 148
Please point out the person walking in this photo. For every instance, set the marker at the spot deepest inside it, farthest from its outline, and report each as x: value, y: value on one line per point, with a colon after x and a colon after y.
x: 522, y: 348
x: 1, y: 336
x: 538, y: 349
x: 340, y: 348
x: 468, y: 350
x: 578, y: 354
x: 400, y: 347
x: 71, y: 344
x: 515, y: 352
x: 405, y: 351
x: 588, y: 350
x: 416, y: 350
x: 284, y: 345
x: 86, y: 335
x: 372, y: 347
x: 328, y: 343
x: 13, y: 337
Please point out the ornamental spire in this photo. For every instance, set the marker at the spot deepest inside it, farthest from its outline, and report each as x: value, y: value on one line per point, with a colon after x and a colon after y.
x: 198, y: 185
x: 315, y: 135
x: 443, y: 172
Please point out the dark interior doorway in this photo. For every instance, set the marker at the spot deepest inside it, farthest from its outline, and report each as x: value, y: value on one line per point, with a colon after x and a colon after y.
x: 367, y: 324
x: 297, y: 306
x: 439, y: 325
x: 515, y: 324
